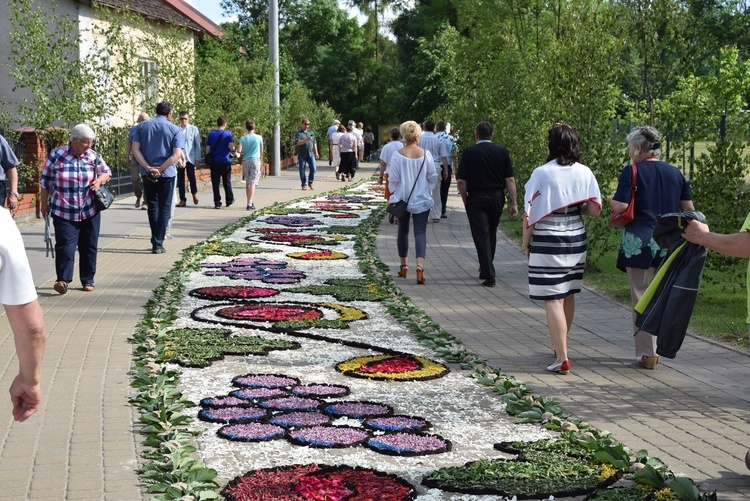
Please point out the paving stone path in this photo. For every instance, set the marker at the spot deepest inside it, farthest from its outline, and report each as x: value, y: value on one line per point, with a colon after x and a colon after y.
x: 692, y: 412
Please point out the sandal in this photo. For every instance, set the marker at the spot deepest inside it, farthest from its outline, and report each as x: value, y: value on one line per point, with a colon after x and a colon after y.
x: 420, y: 275
x: 88, y: 288
x: 61, y: 287
x: 404, y: 271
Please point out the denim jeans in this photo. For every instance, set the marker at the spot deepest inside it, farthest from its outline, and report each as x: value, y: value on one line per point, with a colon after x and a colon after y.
x: 159, y: 195
x: 70, y: 235
x: 190, y: 171
x: 420, y: 234
x: 310, y: 161
x: 222, y: 173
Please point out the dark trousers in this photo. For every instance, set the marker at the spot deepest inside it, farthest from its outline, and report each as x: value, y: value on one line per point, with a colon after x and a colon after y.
x: 70, y: 235
x: 190, y: 171
x: 445, y: 185
x: 3, y: 192
x: 159, y: 195
x: 135, y: 179
x: 222, y: 173
x: 483, y: 208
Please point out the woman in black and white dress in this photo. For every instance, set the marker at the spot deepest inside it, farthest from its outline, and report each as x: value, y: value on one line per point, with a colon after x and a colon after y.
x: 554, y: 236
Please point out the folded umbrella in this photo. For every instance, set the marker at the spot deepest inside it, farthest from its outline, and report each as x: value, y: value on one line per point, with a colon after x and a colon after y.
x: 48, y: 236
x: 665, y: 308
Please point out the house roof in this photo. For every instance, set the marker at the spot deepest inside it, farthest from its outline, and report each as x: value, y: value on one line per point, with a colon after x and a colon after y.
x: 172, y: 11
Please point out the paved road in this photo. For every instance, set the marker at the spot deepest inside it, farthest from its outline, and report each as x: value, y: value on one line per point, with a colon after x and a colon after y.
x: 692, y: 412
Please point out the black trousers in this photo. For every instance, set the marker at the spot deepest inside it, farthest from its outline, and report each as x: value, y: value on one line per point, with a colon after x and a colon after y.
x: 445, y: 186
x: 484, y: 208
x: 221, y: 174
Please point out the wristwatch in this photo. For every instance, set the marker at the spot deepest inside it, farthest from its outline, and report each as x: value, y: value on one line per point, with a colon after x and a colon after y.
x: 14, y: 194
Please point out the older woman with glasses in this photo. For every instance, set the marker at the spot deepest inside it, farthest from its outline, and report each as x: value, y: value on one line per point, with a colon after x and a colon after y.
x: 70, y: 176
x: 660, y: 189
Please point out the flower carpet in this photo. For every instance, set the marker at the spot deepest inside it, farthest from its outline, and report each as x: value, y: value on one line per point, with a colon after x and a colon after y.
x: 274, y: 365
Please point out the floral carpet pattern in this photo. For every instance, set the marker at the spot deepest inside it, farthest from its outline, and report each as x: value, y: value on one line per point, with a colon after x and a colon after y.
x: 405, y: 413
x: 308, y: 387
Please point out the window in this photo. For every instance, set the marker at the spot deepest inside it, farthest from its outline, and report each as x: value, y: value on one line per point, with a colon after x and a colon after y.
x: 149, y: 84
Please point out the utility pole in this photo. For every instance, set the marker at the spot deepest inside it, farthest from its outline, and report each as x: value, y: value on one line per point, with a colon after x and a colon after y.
x: 273, y: 56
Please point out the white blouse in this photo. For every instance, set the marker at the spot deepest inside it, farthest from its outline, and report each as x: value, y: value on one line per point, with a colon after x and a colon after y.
x: 402, y: 173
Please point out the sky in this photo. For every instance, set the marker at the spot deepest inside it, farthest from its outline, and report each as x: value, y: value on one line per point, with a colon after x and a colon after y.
x: 212, y: 9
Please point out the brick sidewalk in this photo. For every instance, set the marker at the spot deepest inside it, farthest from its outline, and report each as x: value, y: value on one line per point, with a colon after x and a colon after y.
x: 82, y: 444
x: 691, y: 412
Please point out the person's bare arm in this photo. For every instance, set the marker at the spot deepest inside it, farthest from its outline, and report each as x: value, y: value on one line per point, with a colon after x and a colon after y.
x: 139, y: 156
x: 591, y: 208
x: 30, y: 338
x: 686, y: 205
x: 618, y: 207
x: 12, y: 176
x: 176, y: 155
x: 527, y: 232
x: 735, y: 244
x: 510, y: 185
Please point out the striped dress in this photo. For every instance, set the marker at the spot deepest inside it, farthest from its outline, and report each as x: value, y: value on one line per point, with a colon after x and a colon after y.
x: 557, y: 256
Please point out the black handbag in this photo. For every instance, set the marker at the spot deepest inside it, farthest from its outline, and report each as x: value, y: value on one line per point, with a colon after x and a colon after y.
x: 398, y: 209
x: 103, y: 198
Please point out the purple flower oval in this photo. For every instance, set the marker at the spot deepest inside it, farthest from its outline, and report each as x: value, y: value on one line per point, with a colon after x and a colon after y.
x: 358, y: 409
x: 291, y: 404
x: 409, y: 444
x: 397, y: 423
x: 224, y: 401
x: 232, y: 414
x: 264, y: 381
x: 250, y: 432
x: 297, y: 419
x: 328, y: 436
x: 256, y: 394
x: 320, y: 390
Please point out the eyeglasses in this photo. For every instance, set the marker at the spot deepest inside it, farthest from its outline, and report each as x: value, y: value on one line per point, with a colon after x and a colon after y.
x: 305, y: 123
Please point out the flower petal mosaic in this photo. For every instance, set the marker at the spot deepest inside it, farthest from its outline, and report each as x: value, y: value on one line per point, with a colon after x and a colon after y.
x: 340, y: 400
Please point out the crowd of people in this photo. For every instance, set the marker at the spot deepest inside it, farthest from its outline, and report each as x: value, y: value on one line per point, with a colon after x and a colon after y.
x: 416, y: 164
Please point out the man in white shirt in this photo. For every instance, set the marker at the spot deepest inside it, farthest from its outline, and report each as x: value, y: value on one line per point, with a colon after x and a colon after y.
x: 360, y: 145
x: 449, y: 151
x: 331, y: 131
x: 430, y: 142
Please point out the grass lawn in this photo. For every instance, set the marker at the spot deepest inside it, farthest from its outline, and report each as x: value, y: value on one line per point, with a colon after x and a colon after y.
x: 719, y: 313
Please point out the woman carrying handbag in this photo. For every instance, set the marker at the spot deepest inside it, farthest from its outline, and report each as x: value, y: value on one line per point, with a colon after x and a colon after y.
x: 660, y: 189
x: 411, y: 178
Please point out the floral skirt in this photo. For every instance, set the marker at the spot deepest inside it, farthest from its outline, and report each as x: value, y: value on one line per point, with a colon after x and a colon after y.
x: 557, y: 256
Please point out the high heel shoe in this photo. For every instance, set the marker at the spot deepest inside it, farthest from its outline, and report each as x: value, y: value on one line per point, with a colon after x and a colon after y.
x: 404, y: 271
x: 420, y: 275
x: 561, y: 368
